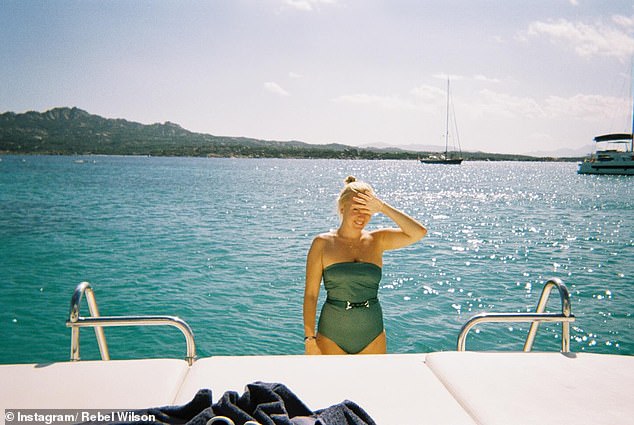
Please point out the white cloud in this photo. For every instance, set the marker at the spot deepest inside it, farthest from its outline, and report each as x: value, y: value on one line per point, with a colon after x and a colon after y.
x: 443, y: 76
x: 624, y: 21
x: 294, y: 75
x: 499, y: 39
x: 508, y: 106
x: 307, y: 5
x: 385, y: 102
x: 275, y: 89
x: 485, y: 79
x: 456, y: 77
x: 429, y: 93
x: 588, y: 108
x: 590, y: 40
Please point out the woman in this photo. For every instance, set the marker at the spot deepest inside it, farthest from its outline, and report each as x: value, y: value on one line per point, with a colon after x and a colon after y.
x: 349, y: 260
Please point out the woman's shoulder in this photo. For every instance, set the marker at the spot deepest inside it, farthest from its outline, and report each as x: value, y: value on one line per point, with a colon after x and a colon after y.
x: 319, y: 244
x: 324, y: 238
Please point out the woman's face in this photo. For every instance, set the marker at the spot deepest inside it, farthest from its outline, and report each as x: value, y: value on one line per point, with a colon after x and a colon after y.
x: 352, y: 213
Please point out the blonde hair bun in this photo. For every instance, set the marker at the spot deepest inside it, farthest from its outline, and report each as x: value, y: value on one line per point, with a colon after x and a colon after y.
x: 351, y: 188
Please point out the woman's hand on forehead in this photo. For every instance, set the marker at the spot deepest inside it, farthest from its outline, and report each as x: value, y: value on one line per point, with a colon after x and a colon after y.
x: 368, y: 202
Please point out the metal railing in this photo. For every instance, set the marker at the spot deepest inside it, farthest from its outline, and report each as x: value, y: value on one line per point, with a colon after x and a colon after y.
x: 565, y: 317
x: 76, y: 322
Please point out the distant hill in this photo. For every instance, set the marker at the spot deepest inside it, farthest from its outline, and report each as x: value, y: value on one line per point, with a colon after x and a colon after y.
x: 557, y: 153
x: 561, y: 153
x: 73, y: 131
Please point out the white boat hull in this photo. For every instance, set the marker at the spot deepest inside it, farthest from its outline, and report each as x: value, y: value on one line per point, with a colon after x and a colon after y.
x: 619, y: 165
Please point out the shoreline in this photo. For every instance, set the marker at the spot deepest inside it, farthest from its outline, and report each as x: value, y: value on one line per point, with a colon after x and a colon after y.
x: 408, y: 157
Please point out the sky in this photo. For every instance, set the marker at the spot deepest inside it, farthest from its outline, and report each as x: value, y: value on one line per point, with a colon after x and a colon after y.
x: 526, y: 76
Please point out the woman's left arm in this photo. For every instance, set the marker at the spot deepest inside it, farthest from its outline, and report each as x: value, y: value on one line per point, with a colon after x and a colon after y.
x: 409, y: 231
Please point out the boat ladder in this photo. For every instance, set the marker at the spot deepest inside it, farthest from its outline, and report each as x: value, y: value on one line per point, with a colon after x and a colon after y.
x: 565, y: 317
x: 76, y: 322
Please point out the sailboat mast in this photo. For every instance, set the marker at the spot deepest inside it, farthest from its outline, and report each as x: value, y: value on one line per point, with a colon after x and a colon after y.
x: 632, y: 94
x: 447, y: 121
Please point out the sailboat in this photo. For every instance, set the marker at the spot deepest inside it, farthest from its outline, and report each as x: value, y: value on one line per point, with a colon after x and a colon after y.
x: 446, y: 158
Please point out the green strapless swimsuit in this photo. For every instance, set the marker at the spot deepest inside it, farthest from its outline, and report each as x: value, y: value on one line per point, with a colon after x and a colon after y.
x: 351, y: 316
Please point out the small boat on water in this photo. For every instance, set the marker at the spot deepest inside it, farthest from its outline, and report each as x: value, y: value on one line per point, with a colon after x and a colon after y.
x: 448, y: 158
x: 441, y: 159
x: 614, y: 154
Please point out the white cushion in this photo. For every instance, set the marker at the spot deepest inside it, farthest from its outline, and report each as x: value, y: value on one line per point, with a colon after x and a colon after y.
x: 393, y: 389
x: 115, y: 384
x: 539, y: 388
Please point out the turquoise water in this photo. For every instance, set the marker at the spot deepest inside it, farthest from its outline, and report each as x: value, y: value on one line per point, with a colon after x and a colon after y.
x: 221, y: 243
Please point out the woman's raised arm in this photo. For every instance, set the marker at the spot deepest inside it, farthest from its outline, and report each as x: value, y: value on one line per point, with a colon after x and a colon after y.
x: 409, y: 231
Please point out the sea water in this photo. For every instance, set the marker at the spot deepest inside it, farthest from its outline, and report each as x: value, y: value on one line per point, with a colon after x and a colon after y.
x: 221, y: 243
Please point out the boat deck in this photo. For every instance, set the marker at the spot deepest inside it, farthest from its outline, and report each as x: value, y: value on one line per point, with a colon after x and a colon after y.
x: 452, y: 388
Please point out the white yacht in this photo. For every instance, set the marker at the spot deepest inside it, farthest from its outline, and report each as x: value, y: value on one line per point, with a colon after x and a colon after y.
x: 614, y: 155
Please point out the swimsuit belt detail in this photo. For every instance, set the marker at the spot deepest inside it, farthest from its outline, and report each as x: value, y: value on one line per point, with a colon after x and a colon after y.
x: 350, y: 305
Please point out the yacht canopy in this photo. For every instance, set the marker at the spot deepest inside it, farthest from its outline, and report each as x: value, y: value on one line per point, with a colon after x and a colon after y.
x: 613, y: 137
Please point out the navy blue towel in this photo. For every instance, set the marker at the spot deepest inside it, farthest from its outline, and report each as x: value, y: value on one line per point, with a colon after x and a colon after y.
x: 265, y: 403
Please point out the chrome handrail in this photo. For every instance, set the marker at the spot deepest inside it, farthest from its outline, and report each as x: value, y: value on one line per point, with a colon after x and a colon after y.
x: 566, y: 311
x: 76, y: 322
x: 565, y: 317
x: 75, y: 302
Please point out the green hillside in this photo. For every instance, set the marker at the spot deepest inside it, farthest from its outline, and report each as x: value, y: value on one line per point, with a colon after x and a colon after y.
x: 72, y: 131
